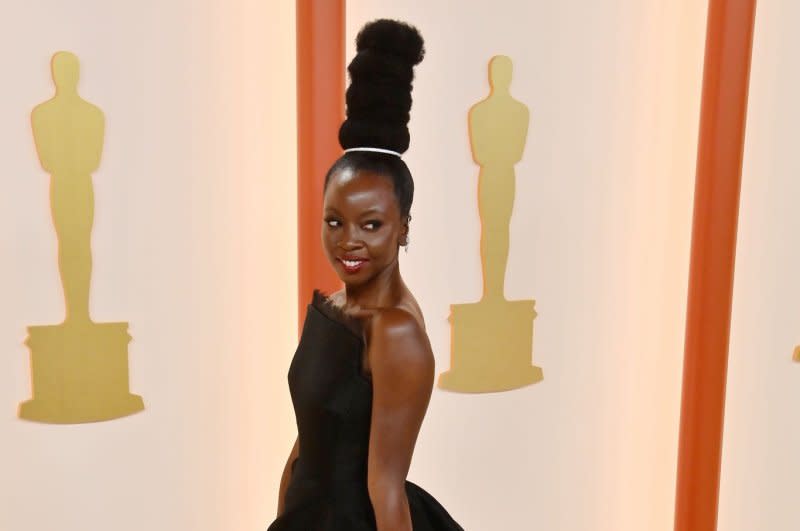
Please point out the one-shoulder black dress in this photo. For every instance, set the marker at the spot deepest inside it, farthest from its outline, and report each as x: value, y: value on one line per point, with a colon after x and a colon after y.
x: 332, y: 402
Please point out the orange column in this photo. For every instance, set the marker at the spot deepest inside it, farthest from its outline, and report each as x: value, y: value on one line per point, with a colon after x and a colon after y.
x: 320, y: 111
x: 729, y: 36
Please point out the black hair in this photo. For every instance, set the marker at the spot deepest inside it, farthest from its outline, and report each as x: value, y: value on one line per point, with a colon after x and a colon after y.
x: 378, y: 104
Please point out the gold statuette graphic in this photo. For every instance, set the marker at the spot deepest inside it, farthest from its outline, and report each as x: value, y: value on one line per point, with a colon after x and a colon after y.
x: 492, y: 340
x: 796, y: 355
x: 79, y: 368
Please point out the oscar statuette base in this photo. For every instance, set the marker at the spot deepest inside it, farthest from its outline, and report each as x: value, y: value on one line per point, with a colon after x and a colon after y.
x: 491, y: 347
x: 79, y: 373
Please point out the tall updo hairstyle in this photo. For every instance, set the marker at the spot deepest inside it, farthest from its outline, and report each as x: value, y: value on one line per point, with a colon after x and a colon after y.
x: 378, y: 104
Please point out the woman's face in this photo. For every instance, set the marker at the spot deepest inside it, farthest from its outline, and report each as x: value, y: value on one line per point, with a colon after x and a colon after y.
x: 361, y: 225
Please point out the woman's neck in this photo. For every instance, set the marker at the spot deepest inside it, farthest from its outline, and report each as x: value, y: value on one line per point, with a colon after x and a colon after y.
x: 381, y: 292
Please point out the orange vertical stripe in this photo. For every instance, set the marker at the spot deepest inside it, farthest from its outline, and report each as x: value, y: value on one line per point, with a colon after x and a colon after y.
x: 729, y: 36
x: 320, y: 111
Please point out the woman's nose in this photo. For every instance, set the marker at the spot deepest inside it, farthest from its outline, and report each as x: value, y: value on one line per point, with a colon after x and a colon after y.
x: 348, y: 245
x: 349, y: 239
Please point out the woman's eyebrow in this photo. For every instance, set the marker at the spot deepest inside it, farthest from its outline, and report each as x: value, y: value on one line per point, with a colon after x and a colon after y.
x: 372, y: 210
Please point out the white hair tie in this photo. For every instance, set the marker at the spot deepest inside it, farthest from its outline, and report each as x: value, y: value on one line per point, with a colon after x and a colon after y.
x: 374, y: 150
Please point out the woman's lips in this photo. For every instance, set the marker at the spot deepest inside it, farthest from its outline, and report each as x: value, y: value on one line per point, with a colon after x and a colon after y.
x: 353, y: 265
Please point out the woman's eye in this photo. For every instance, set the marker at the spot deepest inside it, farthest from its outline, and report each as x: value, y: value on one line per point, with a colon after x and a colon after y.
x: 369, y: 225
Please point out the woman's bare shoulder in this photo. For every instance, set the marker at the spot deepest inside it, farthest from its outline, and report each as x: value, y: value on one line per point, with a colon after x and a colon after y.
x: 397, y: 338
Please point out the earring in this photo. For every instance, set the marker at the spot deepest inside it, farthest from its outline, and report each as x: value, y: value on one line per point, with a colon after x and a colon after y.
x: 408, y: 238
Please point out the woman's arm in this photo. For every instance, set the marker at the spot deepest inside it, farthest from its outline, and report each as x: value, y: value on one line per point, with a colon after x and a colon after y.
x: 402, y: 366
x: 286, y: 476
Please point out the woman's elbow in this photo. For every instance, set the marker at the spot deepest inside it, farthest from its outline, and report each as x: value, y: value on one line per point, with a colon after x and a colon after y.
x: 390, y: 504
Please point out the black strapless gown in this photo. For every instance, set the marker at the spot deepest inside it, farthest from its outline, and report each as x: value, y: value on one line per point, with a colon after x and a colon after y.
x: 332, y: 402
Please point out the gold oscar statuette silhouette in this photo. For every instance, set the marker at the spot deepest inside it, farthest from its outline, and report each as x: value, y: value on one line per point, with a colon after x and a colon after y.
x: 796, y: 355
x: 79, y: 368
x: 492, y: 339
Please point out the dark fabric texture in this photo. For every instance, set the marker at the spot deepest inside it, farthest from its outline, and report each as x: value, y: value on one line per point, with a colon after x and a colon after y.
x: 332, y: 400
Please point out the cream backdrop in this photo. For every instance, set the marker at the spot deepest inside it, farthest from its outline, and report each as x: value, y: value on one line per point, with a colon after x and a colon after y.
x: 195, y: 202
x: 194, y: 196
x: 599, y: 237
x: 761, y: 447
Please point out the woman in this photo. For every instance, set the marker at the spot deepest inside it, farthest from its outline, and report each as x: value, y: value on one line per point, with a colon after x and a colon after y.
x: 362, y: 375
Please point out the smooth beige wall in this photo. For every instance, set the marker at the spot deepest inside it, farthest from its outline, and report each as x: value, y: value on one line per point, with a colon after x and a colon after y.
x: 194, y: 197
x: 761, y: 447
x: 599, y: 237
x: 193, y: 245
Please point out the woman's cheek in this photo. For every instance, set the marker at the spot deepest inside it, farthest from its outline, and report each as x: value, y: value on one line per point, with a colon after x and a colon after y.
x: 381, y: 241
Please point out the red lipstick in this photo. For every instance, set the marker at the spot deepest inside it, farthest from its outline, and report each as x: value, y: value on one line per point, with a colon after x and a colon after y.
x: 352, y: 264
